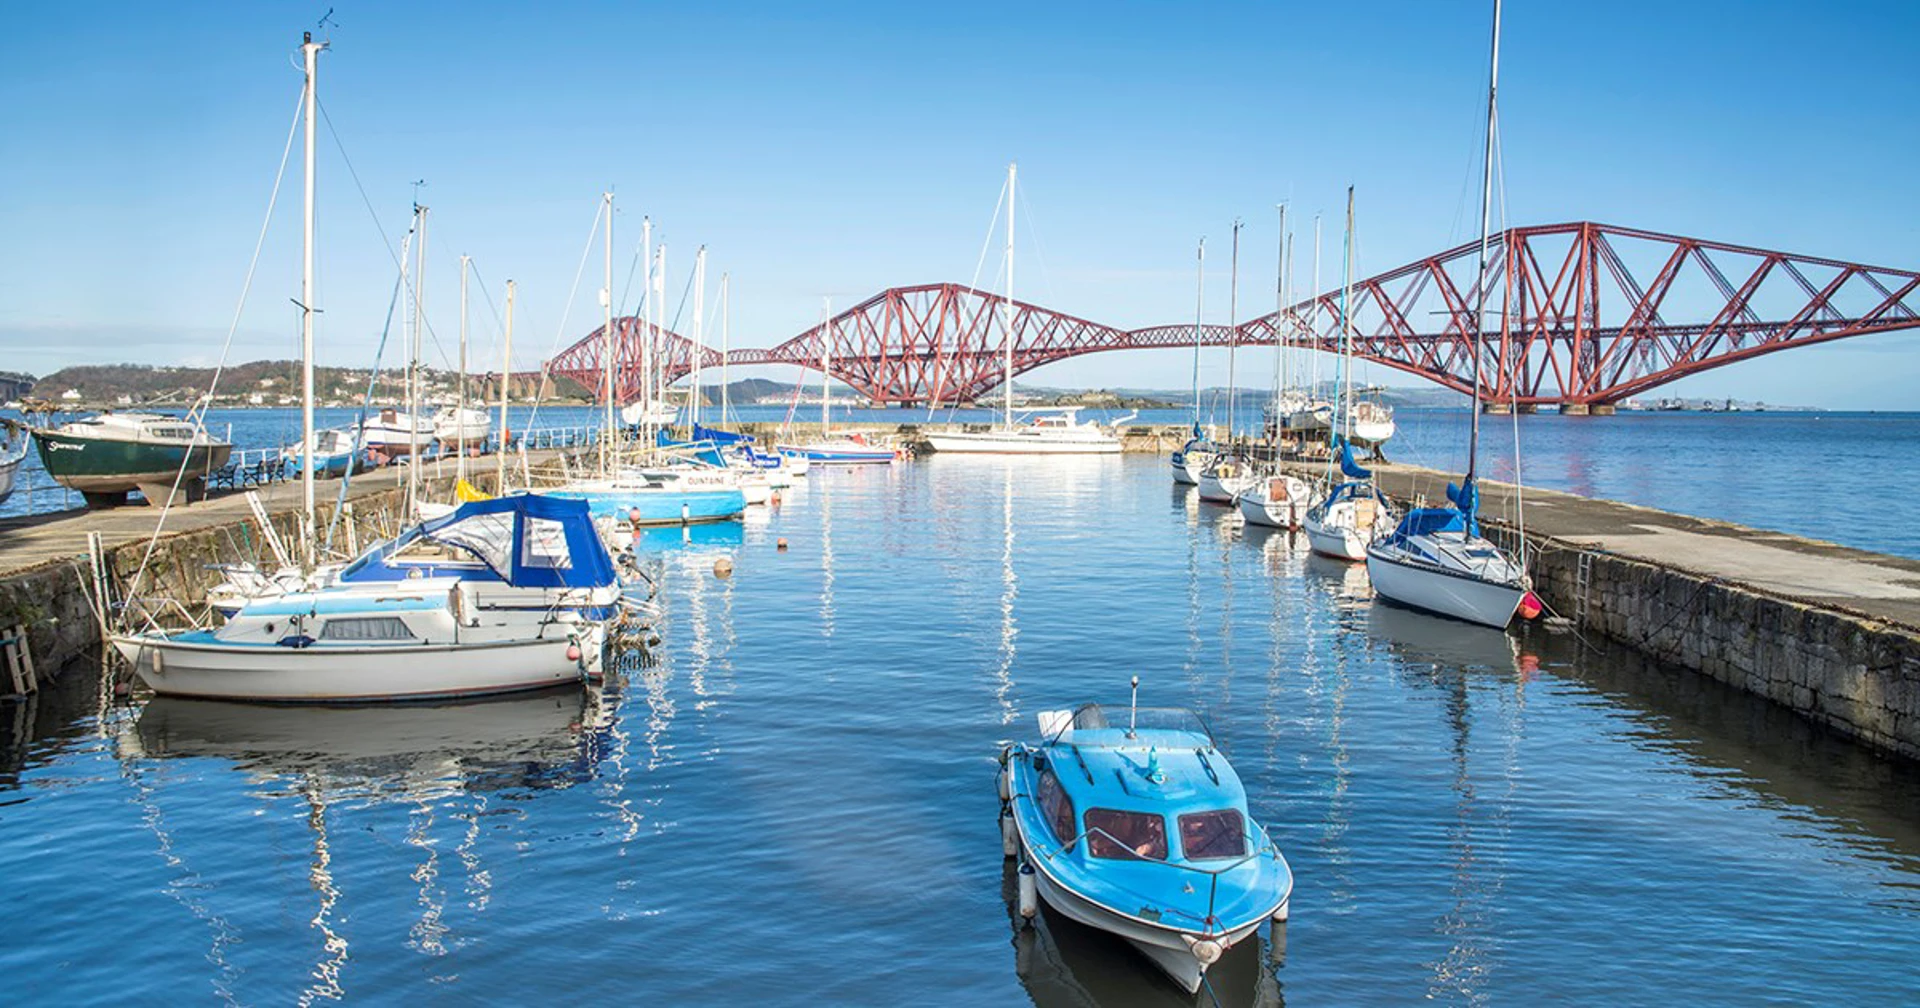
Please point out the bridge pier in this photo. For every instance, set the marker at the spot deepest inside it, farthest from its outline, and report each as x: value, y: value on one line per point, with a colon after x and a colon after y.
x: 1573, y: 409
x: 1496, y: 408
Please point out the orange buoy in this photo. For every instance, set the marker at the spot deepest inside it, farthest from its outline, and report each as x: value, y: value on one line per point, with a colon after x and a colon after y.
x: 780, y: 544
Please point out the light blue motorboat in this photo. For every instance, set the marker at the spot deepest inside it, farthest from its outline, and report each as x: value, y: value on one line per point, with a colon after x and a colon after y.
x: 1130, y: 820
x: 654, y: 497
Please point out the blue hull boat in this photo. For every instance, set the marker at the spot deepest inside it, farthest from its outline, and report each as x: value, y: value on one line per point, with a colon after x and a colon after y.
x: 1129, y: 820
x: 644, y: 504
x: 839, y: 453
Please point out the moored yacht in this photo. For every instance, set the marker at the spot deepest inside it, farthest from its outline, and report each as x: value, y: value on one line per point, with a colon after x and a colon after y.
x: 1276, y: 499
x: 1050, y: 431
x: 395, y: 433
x: 107, y: 455
x: 1131, y: 820
x: 1225, y: 477
x: 502, y: 595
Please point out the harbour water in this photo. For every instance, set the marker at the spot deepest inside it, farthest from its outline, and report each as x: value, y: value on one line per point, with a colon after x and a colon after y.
x: 796, y: 804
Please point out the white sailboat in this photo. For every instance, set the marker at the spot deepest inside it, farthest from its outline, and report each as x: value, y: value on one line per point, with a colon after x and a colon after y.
x: 1276, y: 498
x: 826, y: 449
x: 1047, y: 432
x: 504, y: 594
x: 1198, y: 452
x: 1354, y: 512
x: 1436, y: 559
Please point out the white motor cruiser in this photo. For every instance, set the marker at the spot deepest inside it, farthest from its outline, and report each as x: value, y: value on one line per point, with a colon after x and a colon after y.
x: 458, y: 429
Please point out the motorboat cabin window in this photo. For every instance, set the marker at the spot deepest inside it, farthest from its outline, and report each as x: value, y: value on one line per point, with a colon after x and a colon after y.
x: 367, y: 628
x: 545, y: 545
x: 1221, y: 834
x: 1056, y: 807
x: 1112, y: 833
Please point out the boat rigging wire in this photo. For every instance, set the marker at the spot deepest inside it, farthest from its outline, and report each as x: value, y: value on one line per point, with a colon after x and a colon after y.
x: 567, y: 312
x: 197, y: 413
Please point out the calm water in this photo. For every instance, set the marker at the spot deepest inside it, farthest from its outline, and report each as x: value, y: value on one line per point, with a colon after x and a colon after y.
x: 796, y: 805
x: 1802, y: 473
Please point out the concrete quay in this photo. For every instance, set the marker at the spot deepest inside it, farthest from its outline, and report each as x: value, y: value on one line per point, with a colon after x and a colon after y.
x: 1826, y: 630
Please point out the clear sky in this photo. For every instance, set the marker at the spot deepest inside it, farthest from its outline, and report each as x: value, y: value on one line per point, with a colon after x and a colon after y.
x: 837, y: 149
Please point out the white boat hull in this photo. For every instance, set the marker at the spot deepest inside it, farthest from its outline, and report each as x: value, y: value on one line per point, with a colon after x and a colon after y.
x: 336, y: 674
x: 1332, y: 541
x: 1018, y: 442
x: 1341, y: 533
x: 1371, y: 432
x: 1217, y: 489
x: 1261, y: 505
x: 1165, y: 947
x: 1460, y: 596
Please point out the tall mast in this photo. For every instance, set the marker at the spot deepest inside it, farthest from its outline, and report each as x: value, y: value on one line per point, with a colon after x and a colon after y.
x: 1233, y: 323
x: 1486, y: 210
x: 1199, y: 312
x: 1345, y: 399
x: 726, y: 392
x: 1313, y: 314
x: 1006, y: 363
x: 645, y: 311
x: 413, y: 365
x: 506, y: 388
x: 699, y: 333
x: 826, y: 360
x: 609, y: 347
x: 311, y: 50
x: 1283, y: 332
x: 655, y: 340
x: 460, y: 399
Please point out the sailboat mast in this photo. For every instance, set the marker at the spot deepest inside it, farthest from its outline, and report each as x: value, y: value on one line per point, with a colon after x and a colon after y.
x: 1199, y: 313
x: 645, y: 311
x: 1346, y: 325
x: 1283, y: 333
x: 1313, y: 314
x: 311, y: 50
x: 609, y: 346
x: 726, y: 393
x: 1486, y: 211
x: 460, y: 398
x: 1006, y: 363
x: 826, y: 361
x: 1233, y: 323
x: 506, y: 389
x: 413, y: 365
x: 699, y: 333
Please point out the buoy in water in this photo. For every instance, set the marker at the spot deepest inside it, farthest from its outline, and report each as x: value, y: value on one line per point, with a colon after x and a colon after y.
x: 723, y: 568
x: 1029, y: 894
x: 780, y: 544
x: 1530, y: 606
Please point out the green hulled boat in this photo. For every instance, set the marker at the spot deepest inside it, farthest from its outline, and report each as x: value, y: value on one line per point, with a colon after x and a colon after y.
x: 105, y: 456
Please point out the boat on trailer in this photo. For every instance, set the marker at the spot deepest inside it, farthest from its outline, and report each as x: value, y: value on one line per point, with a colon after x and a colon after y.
x: 501, y: 595
x: 1131, y: 820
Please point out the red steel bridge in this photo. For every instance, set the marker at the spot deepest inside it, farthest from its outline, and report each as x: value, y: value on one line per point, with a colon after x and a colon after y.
x: 1580, y: 315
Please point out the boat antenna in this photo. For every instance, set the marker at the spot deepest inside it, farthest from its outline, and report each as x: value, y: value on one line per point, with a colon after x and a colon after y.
x: 1133, y: 707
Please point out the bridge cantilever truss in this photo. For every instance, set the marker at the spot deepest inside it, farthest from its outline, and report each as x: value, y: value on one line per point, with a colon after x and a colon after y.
x: 1571, y: 322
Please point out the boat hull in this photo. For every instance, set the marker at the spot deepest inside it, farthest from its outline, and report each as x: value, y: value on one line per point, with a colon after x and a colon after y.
x: 337, y: 674
x: 1430, y: 589
x: 98, y: 465
x: 1369, y: 433
x: 1259, y: 504
x: 1331, y: 541
x: 668, y: 507
x: 1020, y: 443
x: 1164, y: 947
x: 824, y: 455
x: 1217, y: 489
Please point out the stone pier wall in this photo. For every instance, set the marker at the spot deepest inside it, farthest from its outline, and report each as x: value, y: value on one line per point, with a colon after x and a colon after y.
x: 1856, y: 674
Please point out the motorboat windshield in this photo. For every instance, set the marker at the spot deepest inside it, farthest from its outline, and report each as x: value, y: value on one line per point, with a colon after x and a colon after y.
x: 526, y: 540
x: 1101, y: 724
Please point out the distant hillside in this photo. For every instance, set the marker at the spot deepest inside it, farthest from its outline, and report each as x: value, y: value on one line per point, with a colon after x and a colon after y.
x: 256, y: 383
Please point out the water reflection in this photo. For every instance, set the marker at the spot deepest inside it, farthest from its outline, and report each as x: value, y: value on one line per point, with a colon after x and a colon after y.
x: 440, y: 761
x: 1064, y: 963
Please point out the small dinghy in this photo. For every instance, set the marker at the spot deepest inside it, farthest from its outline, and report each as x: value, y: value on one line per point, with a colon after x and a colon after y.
x: 1131, y: 821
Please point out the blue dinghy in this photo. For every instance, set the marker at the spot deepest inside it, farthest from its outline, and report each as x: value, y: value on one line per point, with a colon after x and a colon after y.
x: 1131, y: 821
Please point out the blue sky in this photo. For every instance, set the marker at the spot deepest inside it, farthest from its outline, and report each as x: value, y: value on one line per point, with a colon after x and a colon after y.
x: 837, y: 149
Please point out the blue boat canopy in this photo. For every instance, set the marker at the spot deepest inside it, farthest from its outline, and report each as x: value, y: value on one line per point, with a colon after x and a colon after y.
x: 701, y: 433
x: 1427, y: 521
x: 528, y: 540
x: 1352, y: 469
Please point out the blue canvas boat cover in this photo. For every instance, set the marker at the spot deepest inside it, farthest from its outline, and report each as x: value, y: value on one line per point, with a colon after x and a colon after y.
x: 701, y: 433
x: 528, y: 540
x: 1426, y: 521
x: 1352, y: 469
